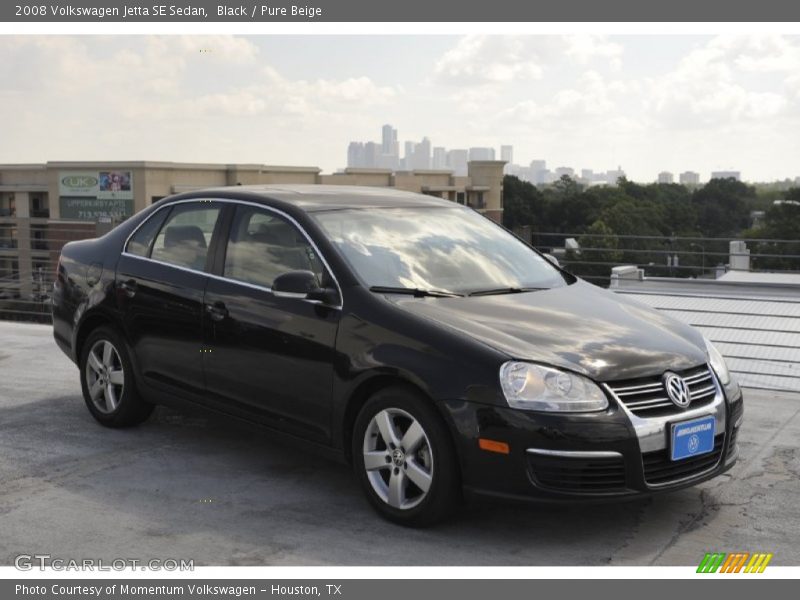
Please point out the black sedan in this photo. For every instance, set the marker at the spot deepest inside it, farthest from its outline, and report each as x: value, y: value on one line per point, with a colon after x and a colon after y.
x: 408, y: 335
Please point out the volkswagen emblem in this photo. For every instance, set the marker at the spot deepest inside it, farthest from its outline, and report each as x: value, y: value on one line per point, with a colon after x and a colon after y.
x: 677, y: 389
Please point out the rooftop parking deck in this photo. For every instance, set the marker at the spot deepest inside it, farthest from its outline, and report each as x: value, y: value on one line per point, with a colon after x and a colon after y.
x: 186, y: 486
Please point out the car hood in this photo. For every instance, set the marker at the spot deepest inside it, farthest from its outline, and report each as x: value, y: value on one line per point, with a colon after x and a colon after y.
x: 579, y: 327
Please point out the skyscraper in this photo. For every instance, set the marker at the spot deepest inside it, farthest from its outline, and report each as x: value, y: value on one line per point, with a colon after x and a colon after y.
x: 422, y: 154
x: 355, y: 154
x: 457, y: 161
x: 480, y: 153
x: 665, y: 177
x: 389, y: 139
x: 538, y: 172
x: 689, y: 178
x: 507, y: 154
x: 439, y: 160
x: 737, y: 175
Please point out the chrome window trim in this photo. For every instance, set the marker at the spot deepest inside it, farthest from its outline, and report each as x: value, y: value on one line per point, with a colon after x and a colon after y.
x: 575, y: 453
x: 652, y: 432
x: 262, y: 288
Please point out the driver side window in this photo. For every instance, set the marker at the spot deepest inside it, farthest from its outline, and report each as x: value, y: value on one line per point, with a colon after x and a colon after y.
x: 263, y: 245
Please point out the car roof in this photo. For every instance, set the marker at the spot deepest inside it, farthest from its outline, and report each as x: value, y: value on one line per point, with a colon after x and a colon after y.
x: 314, y: 198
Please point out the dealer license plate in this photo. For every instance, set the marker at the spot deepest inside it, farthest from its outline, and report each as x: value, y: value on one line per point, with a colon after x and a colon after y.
x: 693, y: 438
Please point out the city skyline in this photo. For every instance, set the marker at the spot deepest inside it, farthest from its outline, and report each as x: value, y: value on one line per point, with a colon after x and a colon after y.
x: 417, y: 156
x: 649, y: 103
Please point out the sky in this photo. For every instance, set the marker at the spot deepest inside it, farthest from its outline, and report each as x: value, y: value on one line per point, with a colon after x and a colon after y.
x: 646, y: 103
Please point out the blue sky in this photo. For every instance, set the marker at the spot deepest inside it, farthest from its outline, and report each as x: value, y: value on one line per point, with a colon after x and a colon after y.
x: 647, y: 103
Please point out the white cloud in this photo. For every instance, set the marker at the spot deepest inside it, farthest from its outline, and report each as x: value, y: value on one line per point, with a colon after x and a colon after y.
x: 727, y: 100
x: 588, y: 48
x: 477, y: 59
x: 714, y: 85
x: 492, y: 59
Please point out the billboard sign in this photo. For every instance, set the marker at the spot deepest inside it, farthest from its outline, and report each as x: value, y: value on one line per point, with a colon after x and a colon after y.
x: 78, y: 184
x: 94, y: 209
x: 96, y: 184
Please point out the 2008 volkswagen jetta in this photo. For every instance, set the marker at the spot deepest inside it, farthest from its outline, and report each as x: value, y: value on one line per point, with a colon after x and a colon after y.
x: 408, y: 335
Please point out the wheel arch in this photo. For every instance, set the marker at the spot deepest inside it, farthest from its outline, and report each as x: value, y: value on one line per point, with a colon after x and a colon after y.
x: 87, y: 325
x: 365, y: 389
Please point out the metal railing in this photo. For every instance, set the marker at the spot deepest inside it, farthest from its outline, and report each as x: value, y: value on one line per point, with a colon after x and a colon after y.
x: 664, y: 256
x: 29, y: 251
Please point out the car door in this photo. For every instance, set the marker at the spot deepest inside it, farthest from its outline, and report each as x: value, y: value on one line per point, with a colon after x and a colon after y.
x: 160, y: 283
x: 269, y: 358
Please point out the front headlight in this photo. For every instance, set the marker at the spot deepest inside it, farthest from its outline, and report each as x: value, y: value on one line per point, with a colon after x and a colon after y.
x: 535, y: 387
x: 717, y: 363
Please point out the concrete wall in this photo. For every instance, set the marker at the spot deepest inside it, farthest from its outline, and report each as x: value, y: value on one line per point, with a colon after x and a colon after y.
x: 489, y: 173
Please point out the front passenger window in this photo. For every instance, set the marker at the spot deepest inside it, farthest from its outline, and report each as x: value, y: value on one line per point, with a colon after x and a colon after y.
x: 183, y: 240
x: 263, y: 245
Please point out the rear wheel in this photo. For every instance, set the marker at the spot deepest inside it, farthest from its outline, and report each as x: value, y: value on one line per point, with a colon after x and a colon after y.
x: 404, y: 458
x: 107, y: 381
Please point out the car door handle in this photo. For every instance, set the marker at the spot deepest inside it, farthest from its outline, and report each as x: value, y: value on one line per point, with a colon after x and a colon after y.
x: 128, y: 288
x: 217, y: 311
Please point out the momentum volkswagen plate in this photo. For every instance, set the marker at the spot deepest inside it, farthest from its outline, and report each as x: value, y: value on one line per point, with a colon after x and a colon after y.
x: 692, y: 438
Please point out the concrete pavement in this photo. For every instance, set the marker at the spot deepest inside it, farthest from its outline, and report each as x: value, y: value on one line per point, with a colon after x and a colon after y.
x: 185, y: 486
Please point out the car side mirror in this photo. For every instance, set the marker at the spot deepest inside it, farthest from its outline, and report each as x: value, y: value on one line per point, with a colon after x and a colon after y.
x: 552, y: 259
x: 303, y: 285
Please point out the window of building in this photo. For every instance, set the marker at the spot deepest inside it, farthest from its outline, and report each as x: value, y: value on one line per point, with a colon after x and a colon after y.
x: 184, y: 239
x: 263, y: 245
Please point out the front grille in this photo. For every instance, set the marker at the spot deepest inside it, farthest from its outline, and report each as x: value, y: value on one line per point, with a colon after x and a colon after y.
x: 659, y: 468
x: 578, y: 475
x: 647, y: 397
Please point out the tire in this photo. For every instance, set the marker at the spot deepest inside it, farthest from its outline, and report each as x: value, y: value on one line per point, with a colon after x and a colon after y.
x: 107, y: 381
x: 393, y: 478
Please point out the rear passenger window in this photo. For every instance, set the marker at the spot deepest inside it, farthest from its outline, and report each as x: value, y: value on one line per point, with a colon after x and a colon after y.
x: 142, y: 241
x: 263, y: 245
x: 184, y: 239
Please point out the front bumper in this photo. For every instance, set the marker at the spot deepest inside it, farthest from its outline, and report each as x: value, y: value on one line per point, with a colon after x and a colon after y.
x: 611, y: 454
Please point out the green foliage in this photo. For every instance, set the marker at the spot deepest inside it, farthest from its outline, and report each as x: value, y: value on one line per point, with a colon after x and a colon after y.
x: 721, y: 208
x: 600, y: 245
x: 781, y: 222
x: 523, y: 203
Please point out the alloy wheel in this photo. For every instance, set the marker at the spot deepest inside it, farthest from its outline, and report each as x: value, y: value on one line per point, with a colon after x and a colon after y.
x: 398, y: 458
x: 105, y: 376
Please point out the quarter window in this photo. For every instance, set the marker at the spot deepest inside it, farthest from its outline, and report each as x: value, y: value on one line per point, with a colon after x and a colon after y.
x: 142, y: 241
x: 263, y: 245
x: 186, y: 235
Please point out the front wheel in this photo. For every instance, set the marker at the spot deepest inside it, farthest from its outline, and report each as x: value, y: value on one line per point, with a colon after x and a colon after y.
x: 108, y: 383
x: 403, y: 456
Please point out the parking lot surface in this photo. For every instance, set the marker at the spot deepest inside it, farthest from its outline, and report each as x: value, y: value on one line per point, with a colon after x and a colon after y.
x: 186, y: 486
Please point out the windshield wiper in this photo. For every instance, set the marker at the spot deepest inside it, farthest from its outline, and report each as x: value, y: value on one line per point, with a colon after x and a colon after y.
x: 505, y: 290
x: 416, y: 292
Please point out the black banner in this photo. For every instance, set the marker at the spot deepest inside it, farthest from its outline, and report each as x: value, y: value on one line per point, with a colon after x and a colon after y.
x: 731, y: 588
x: 210, y: 11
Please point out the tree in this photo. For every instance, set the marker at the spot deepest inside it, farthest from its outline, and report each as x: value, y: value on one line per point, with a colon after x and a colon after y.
x: 599, y: 248
x: 523, y: 204
x: 781, y: 222
x: 722, y: 207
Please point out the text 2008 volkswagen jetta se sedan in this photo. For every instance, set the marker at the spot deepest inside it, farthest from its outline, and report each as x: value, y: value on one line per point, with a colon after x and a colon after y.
x: 411, y: 336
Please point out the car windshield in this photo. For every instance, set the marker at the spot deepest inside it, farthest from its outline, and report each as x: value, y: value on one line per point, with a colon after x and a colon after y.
x: 443, y: 249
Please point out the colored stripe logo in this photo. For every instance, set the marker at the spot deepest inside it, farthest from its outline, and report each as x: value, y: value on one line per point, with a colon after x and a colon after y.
x: 735, y: 562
